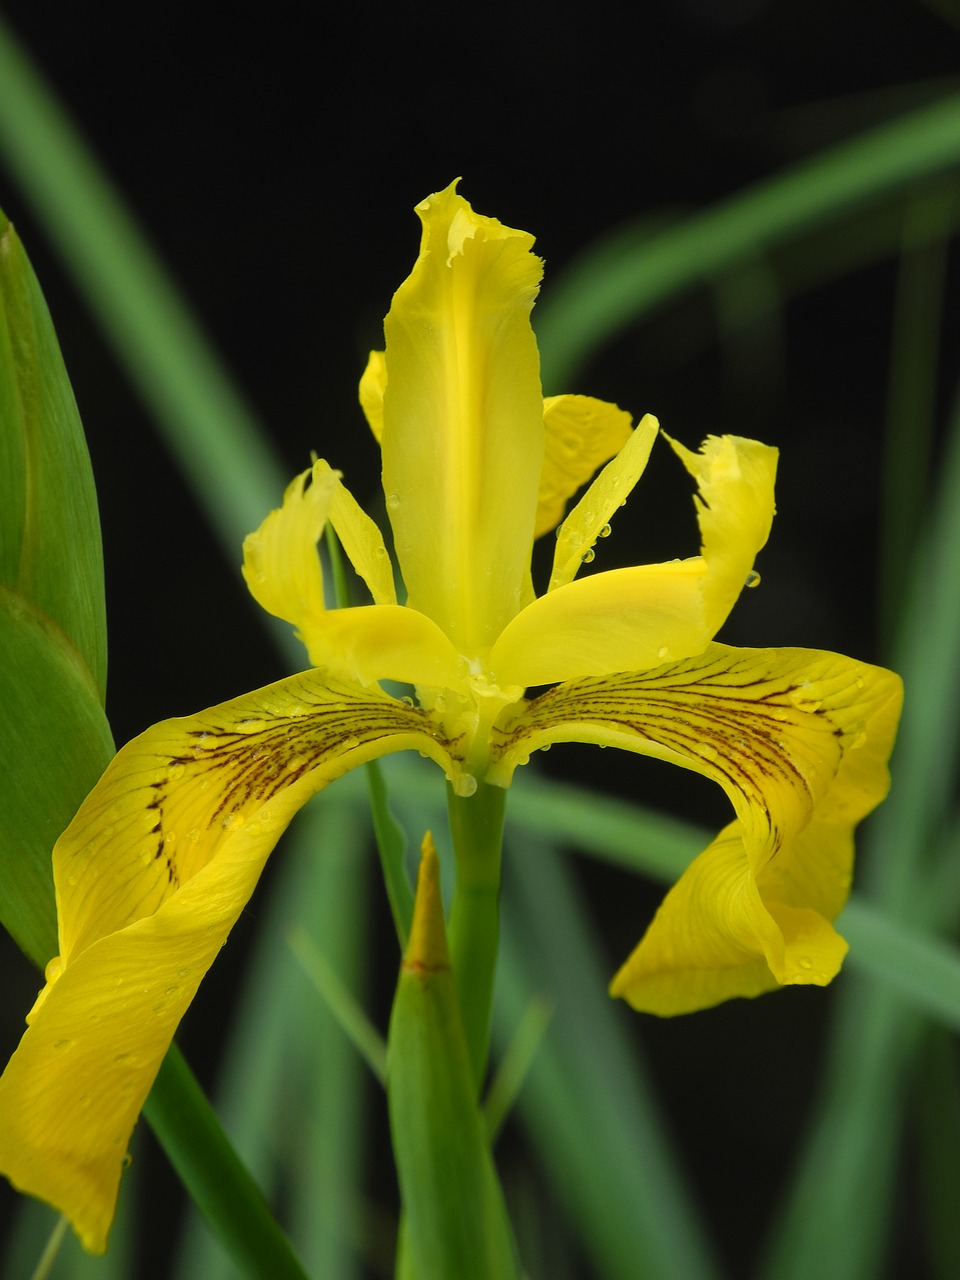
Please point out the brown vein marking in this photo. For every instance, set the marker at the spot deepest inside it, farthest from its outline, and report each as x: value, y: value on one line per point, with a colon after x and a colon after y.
x: 247, y: 769
x: 683, y: 709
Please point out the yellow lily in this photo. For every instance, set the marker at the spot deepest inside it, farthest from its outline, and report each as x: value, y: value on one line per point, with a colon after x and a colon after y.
x: 162, y: 857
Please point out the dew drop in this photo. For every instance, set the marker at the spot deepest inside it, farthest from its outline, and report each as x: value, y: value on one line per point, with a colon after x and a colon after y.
x: 546, y: 746
x: 588, y: 555
x: 753, y: 578
x: 589, y: 517
x: 663, y: 652
x: 465, y: 785
x: 705, y: 749
x: 605, y: 531
x: 233, y: 822
x: 393, y: 501
x: 806, y: 962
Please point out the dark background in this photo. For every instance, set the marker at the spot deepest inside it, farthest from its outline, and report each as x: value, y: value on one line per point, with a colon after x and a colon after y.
x: 275, y: 153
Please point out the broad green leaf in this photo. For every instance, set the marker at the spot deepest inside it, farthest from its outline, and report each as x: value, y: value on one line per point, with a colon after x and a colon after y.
x: 50, y: 550
x: 56, y: 743
x: 52, y: 624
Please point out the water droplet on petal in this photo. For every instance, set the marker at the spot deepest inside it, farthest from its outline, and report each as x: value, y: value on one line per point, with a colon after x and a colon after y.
x: 705, y: 749
x: 605, y: 531
x: 588, y: 555
x: 806, y: 962
x: 393, y: 501
x: 753, y: 578
x: 663, y: 652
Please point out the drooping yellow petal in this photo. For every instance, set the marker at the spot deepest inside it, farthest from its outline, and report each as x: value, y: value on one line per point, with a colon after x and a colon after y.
x: 463, y: 421
x: 771, y: 726
x: 373, y: 382
x: 581, y: 434
x: 634, y: 619
x: 715, y: 937
x: 610, y: 490
x: 151, y: 876
x: 723, y: 932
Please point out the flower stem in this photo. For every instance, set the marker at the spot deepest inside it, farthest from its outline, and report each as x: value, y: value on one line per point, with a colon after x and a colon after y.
x: 476, y: 828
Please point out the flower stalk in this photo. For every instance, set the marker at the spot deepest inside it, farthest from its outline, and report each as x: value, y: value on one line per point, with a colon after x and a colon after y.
x: 476, y: 829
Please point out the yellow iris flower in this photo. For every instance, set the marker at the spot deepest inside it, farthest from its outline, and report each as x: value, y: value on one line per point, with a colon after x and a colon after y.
x: 164, y: 854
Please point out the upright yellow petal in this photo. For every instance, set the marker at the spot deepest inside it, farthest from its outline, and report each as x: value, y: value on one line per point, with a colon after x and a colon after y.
x: 281, y: 566
x: 373, y: 382
x: 463, y: 421
x: 151, y: 875
x: 634, y: 619
x: 735, y: 509
x: 610, y: 490
x: 581, y: 435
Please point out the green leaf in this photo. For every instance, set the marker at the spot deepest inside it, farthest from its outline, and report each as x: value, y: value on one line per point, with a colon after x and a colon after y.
x: 215, y: 1177
x: 454, y: 1217
x: 52, y: 624
x: 56, y: 742
x: 50, y: 550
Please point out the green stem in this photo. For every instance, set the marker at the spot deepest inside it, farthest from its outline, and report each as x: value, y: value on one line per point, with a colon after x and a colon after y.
x: 476, y: 828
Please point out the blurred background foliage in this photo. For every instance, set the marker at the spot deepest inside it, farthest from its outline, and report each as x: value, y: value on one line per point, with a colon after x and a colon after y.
x: 271, y: 157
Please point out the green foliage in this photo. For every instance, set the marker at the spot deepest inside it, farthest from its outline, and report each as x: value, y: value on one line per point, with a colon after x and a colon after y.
x: 52, y: 618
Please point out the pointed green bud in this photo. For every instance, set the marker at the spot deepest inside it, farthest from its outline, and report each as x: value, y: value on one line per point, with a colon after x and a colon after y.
x: 455, y: 1222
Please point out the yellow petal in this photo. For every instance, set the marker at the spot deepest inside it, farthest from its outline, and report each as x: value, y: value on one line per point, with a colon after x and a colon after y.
x: 715, y: 938
x: 280, y: 562
x: 373, y: 382
x: 622, y: 620
x: 634, y: 619
x: 771, y: 726
x: 360, y: 537
x: 463, y: 421
x: 384, y: 642
x: 581, y: 435
x: 578, y: 533
x: 151, y: 876
x: 723, y: 931
x: 735, y: 509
